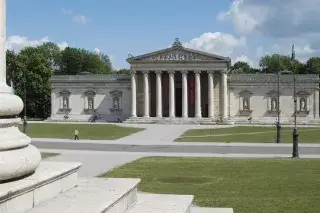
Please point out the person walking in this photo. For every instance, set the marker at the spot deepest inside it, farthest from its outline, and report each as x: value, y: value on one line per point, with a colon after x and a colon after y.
x: 76, y: 134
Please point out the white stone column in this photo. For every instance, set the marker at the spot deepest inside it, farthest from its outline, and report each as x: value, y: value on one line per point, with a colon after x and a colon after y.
x: 198, y: 94
x: 210, y: 94
x: 3, y: 43
x: 146, y: 93
x: 171, y: 95
x: 18, y: 157
x: 159, y: 93
x: 184, y: 94
x: 224, y: 89
x: 133, y: 94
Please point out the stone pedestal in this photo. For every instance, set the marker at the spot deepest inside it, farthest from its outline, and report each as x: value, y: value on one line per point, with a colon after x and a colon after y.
x: 17, y: 157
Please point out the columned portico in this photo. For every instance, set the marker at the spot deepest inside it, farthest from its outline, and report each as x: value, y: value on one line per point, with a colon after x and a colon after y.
x: 179, y: 83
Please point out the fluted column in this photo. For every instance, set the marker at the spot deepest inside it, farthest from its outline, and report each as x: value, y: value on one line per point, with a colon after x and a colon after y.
x: 210, y: 94
x: 146, y: 93
x: 184, y: 94
x: 171, y: 95
x: 198, y: 94
x: 134, y: 94
x: 224, y: 88
x: 159, y: 94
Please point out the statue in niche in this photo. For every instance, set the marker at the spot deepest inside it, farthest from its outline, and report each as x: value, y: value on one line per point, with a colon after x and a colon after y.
x: 303, y: 105
x: 274, y: 104
x: 90, y: 103
x: 65, y: 103
x: 245, y: 104
x: 116, y: 103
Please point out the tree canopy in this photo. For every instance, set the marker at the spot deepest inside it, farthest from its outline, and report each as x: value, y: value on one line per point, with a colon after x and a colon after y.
x: 31, y: 69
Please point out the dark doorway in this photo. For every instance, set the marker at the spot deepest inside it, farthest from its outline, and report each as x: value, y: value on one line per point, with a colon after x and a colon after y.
x: 178, y: 102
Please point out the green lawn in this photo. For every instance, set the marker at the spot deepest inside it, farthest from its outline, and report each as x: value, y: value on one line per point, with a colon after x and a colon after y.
x: 247, y: 185
x: 86, y: 131
x: 249, y: 134
x: 48, y: 154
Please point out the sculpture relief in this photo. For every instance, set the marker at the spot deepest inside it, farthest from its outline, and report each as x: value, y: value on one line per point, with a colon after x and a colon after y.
x: 90, y: 103
x: 178, y: 55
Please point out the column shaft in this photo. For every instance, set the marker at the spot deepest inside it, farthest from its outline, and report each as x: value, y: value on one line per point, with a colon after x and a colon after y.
x: 146, y: 93
x: 224, y: 84
x: 172, y: 95
x: 198, y: 95
x: 185, y: 94
x: 159, y: 94
x: 133, y: 95
x: 2, y: 43
x: 210, y: 94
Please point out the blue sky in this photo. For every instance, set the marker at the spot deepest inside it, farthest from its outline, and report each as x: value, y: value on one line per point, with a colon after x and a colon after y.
x: 119, y: 27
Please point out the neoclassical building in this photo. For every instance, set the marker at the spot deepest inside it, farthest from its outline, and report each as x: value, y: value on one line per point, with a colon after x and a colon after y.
x: 180, y: 85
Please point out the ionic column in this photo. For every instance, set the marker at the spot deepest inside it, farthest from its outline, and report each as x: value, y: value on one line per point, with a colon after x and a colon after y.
x: 171, y: 95
x: 184, y: 94
x: 210, y: 94
x: 133, y: 95
x: 198, y: 94
x: 224, y: 88
x: 146, y: 93
x: 159, y: 94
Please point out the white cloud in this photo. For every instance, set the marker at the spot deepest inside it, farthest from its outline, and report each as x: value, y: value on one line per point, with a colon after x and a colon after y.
x: 80, y: 19
x: 245, y: 58
x: 17, y: 43
x: 217, y: 43
x: 286, y: 18
x: 77, y: 18
x: 97, y: 50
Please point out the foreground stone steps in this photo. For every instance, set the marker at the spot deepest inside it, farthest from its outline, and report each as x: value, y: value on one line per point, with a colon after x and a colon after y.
x: 156, y: 203
x: 94, y: 195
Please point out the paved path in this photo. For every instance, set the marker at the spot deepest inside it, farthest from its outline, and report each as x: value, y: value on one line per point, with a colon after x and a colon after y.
x: 95, y: 163
x: 168, y: 148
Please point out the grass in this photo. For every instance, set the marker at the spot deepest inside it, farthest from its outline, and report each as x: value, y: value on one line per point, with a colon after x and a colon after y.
x: 247, y: 185
x: 86, y: 131
x: 249, y: 134
x: 48, y: 155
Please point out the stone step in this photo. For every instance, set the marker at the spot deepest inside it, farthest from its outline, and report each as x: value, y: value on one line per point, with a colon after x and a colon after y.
x: 160, y: 203
x: 94, y: 195
x: 211, y: 210
x: 48, y: 181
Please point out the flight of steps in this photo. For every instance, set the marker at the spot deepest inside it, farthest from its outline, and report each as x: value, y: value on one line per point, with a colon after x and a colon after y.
x: 55, y: 188
x: 166, y: 120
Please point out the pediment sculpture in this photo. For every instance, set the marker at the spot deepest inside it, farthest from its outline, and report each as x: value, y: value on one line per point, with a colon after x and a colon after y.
x: 177, y: 54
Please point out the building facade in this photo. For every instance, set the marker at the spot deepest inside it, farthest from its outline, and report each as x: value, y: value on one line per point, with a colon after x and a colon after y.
x: 181, y: 85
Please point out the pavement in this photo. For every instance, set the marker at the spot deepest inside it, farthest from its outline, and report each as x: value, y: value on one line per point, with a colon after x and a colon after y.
x: 100, y: 156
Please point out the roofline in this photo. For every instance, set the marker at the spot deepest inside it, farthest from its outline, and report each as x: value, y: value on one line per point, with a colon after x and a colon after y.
x: 130, y: 59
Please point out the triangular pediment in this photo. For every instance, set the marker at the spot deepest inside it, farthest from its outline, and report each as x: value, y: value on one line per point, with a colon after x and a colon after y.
x: 177, y: 53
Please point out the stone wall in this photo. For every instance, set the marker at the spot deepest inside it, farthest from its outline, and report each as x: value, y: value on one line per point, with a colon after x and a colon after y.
x: 260, y: 92
x: 111, y: 97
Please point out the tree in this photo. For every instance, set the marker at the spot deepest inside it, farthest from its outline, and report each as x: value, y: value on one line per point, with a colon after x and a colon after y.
x: 35, y: 72
x: 312, y: 66
x: 123, y: 71
x: 275, y: 63
x: 53, y: 54
x: 76, y: 60
x: 244, y: 67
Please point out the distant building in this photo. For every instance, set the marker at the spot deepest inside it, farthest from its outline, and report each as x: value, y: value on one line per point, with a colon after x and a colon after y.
x: 181, y: 85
